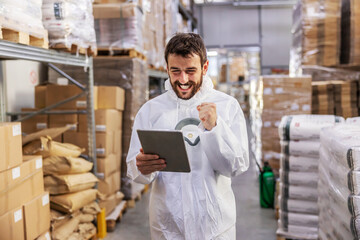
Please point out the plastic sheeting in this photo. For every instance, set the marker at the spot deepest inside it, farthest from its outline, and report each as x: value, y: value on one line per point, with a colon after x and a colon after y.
x: 119, y: 26
x: 316, y: 34
x: 23, y: 16
x: 339, y: 185
x: 69, y: 22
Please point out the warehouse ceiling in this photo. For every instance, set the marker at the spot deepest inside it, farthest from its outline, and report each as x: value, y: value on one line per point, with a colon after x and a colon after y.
x: 245, y: 2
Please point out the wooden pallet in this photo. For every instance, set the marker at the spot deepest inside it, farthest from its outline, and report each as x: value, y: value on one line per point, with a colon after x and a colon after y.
x: 9, y: 32
x: 74, y: 49
x: 115, y: 216
x: 133, y: 53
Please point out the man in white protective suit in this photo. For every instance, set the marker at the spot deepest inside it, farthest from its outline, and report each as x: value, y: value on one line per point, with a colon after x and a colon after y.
x: 199, y: 205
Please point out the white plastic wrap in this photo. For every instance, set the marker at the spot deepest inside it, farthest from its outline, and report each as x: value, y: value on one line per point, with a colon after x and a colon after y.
x: 339, y: 179
x: 299, y: 163
x: 298, y: 206
x: 124, y: 30
x: 305, y: 127
x: 298, y: 219
x: 299, y: 178
x: 299, y: 192
x: 69, y: 22
x: 300, y: 148
x: 23, y: 16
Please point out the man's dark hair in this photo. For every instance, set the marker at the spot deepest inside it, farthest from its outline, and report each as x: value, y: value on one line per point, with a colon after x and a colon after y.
x: 185, y: 45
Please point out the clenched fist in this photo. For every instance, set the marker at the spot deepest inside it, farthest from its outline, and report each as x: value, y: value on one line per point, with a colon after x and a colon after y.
x: 207, y: 115
x: 148, y: 163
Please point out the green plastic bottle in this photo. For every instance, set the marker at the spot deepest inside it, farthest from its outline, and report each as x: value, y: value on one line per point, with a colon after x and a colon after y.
x: 267, y: 186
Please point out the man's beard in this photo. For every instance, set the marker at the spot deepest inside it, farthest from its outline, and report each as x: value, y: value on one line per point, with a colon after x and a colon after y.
x: 194, y: 90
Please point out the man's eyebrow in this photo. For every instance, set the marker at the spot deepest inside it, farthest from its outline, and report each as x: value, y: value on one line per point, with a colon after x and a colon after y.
x: 189, y: 68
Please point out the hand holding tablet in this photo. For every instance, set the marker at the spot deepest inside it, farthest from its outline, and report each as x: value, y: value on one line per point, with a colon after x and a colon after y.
x: 160, y: 147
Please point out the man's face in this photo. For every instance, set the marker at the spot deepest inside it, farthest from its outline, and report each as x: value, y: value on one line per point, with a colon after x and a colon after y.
x: 186, y: 74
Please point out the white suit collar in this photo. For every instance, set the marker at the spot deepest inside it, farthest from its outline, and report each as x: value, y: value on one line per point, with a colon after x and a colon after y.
x: 205, y: 88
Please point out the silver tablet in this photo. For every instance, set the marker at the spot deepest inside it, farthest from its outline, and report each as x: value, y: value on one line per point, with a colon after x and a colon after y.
x: 169, y: 145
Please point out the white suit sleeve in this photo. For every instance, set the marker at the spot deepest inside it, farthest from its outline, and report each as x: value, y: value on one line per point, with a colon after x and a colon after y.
x: 134, y: 149
x: 226, y: 145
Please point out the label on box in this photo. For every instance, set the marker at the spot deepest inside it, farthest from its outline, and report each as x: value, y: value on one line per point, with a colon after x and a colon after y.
x: 41, y: 125
x: 277, y: 123
x: 306, y: 107
x: 279, y: 90
x: 47, y: 236
x: 267, y: 91
x: 45, y: 200
x: 16, y: 173
x: 81, y: 104
x: 100, y: 128
x: 16, y: 130
x: 295, y: 106
x: 38, y: 163
x: 17, y: 215
x: 100, y: 151
x: 267, y: 124
x: 72, y: 126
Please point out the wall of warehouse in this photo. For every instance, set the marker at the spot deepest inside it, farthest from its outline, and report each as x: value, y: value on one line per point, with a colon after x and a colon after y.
x: 266, y: 27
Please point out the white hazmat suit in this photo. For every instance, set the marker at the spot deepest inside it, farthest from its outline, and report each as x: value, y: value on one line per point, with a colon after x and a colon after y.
x: 199, y: 205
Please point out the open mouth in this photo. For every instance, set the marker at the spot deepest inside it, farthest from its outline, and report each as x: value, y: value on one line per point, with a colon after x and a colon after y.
x: 184, y: 86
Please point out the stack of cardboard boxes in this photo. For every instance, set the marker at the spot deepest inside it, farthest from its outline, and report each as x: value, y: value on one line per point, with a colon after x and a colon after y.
x: 24, y: 206
x: 129, y: 74
x: 336, y: 97
x: 282, y: 95
x: 316, y: 34
x: 237, y: 66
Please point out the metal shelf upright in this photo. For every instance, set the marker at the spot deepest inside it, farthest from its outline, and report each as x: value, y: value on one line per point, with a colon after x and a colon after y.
x: 14, y: 51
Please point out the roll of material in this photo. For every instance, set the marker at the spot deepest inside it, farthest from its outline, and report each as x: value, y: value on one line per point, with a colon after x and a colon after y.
x: 299, y: 163
x: 305, y: 127
x: 298, y: 206
x: 299, y: 192
x: 298, y: 219
x: 301, y: 148
x: 299, y: 178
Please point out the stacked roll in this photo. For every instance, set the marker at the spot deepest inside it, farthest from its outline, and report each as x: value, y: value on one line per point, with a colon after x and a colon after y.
x: 300, y: 143
x: 339, y: 182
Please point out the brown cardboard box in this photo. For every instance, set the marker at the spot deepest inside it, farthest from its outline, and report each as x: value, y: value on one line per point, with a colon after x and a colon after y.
x: 44, y: 236
x: 57, y: 93
x: 110, y: 97
x: 105, y: 120
x: 109, y: 165
x: 16, y: 175
x: 106, y: 143
x: 73, y: 126
x: 40, y: 96
x: 37, y: 216
x: 114, y: 10
x: 62, y: 120
x: 35, y: 123
x: 31, y: 186
x: 110, y: 184
x: 12, y: 225
x: 10, y: 145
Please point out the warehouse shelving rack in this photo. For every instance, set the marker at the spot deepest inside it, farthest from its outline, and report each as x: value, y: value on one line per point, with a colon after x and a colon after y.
x: 14, y: 51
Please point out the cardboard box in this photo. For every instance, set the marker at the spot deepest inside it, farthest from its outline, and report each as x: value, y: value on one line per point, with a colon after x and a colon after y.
x: 57, y: 93
x: 44, y: 236
x: 62, y: 120
x: 12, y: 225
x: 37, y: 216
x: 114, y: 10
x: 35, y: 123
x: 40, y: 96
x: 20, y: 184
x: 110, y: 97
x: 110, y: 184
x: 105, y: 120
x: 106, y: 143
x: 109, y: 165
x: 10, y: 145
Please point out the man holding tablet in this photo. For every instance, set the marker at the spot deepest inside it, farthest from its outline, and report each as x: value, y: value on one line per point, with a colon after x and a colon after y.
x: 199, y: 204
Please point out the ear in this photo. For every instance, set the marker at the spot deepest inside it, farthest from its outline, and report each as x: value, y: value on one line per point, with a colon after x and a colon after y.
x: 205, y: 67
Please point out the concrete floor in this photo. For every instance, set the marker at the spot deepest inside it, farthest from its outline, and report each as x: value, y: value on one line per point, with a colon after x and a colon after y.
x: 253, y: 222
